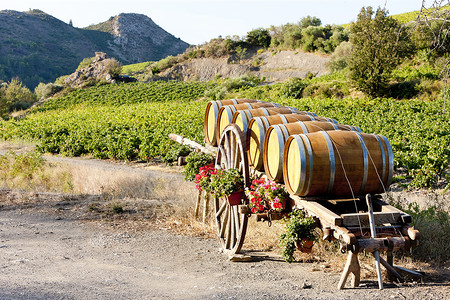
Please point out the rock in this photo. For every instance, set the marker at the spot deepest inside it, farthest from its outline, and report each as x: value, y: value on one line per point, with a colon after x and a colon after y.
x: 239, y: 258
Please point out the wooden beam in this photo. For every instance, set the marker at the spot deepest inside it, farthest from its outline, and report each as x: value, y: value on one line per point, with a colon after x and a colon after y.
x: 381, y: 244
x: 194, y: 145
x: 362, y: 219
x: 318, y: 210
x: 389, y: 208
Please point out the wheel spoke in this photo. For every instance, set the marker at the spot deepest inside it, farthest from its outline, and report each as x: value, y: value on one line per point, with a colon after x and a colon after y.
x: 232, y: 228
x: 224, y: 223
x: 233, y: 151
x: 221, y: 209
x: 228, y: 237
x: 222, y: 157
x: 236, y: 220
x: 236, y: 159
x: 228, y: 149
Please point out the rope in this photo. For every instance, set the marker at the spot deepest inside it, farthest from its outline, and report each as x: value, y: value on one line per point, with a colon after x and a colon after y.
x: 349, y: 185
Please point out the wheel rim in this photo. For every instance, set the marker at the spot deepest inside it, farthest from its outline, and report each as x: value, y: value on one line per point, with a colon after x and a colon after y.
x: 231, y: 224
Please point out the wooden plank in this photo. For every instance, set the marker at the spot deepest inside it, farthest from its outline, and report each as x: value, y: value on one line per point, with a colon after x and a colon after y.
x: 362, y: 219
x: 336, y: 201
x: 389, y: 208
x: 318, y: 210
x: 184, y: 141
x: 408, y: 273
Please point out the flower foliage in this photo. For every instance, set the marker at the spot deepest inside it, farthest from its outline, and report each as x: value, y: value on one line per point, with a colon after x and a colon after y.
x: 266, y: 195
x: 299, y: 227
x: 203, y: 178
x: 226, y: 181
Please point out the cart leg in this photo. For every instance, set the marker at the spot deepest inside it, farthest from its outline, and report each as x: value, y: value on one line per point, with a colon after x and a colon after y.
x: 206, y: 207
x: 351, y: 266
x: 197, y: 204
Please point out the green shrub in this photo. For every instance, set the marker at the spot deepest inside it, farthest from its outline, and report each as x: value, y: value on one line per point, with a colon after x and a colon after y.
x: 47, y: 90
x: 194, y: 162
x: 293, y: 88
x: 340, y: 56
x: 14, y: 96
x: 175, y: 151
x: 85, y: 62
x: 113, y: 67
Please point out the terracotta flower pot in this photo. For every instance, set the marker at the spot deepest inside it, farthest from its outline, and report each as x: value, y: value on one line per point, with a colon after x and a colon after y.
x: 235, y: 198
x: 305, y: 246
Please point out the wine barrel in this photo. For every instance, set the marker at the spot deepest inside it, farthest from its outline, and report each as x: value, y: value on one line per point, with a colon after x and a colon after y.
x: 226, y: 113
x: 242, y: 118
x: 257, y: 129
x: 277, y: 135
x: 211, y: 113
x: 338, y: 163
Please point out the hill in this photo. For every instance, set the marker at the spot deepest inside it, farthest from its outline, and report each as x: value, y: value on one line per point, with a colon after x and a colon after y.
x: 37, y: 47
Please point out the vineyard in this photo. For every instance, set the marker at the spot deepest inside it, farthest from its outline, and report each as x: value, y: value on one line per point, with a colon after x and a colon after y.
x: 133, y: 121
x: 118, y: 122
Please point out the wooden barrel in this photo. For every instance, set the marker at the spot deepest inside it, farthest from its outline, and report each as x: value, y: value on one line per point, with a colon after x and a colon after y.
x: 338, y: 163
x: 226, y: 113
x: 242, y: 118
x: 257, y: 129
x: 211, y: 113
x: 277, y: 135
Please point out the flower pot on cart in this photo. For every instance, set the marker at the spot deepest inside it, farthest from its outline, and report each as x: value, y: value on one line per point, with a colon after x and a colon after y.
x: 235, y: 198
x: 305, y: 245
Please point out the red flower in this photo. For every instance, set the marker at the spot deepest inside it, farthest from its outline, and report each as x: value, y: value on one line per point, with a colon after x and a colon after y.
x: 254, y: 210
x: 261, y: 208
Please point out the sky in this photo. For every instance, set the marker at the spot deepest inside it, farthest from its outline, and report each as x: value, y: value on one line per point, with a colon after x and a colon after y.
x: 199, y: 21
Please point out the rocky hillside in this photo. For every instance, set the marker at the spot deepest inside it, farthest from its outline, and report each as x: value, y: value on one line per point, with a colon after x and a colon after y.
x: 136, y: 38
x: 278, y: 66
x: 37, y: 47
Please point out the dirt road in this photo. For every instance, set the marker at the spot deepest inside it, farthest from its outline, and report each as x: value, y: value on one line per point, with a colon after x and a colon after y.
x: 51, y: 249
x: 54, y: 256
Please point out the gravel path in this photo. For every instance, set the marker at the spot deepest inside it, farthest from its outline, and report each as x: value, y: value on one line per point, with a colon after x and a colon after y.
x: 43, y: 256
x: 47, y: 251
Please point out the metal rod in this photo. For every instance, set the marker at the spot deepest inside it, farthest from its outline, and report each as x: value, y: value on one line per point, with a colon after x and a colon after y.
x: 374, y: 235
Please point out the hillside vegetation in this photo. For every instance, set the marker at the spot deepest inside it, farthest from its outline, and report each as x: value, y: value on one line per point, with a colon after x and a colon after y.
x: 36, y: 47
x: 404, y: 101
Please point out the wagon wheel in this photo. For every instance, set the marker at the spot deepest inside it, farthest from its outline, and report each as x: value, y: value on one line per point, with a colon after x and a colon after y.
x: 231, y: 225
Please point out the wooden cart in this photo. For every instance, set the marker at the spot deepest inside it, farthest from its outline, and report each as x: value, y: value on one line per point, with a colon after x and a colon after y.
x: 359, y: 224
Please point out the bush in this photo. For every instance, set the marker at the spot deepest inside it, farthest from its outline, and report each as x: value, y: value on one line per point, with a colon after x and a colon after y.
x: 293, y: 88
x: 46, y: 90
x: 15, y: 96
x: 85, y: 62
x: 194, y: 162
x: 340, y: 56
x: 113, y: 67
x: 176, y: 151
x: 232, y: 84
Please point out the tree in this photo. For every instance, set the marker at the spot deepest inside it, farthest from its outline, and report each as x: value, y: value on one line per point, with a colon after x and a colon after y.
x: 258, y: 37
x: 379, y: 44
x: 309, y: 21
